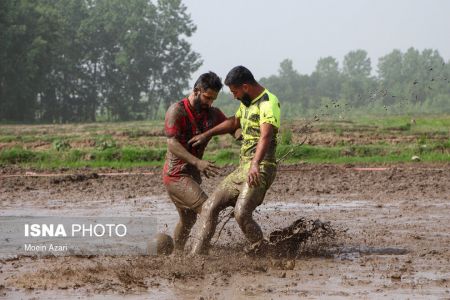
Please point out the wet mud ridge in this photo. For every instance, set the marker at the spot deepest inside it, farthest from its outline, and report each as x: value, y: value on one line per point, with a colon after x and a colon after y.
x: 74, y: 178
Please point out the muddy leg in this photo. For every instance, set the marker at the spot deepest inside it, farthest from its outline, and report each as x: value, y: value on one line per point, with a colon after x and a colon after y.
x: 220, y: 199
x: 184, y: 226
x: 246, y: 203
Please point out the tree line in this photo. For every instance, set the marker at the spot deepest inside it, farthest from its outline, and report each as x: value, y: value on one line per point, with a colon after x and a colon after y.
x: 407, y: 81
x: 85, y: 60
x: 90, y: 60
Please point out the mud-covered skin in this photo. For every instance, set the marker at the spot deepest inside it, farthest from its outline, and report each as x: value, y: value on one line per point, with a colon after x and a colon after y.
x: 235, y: 191
x: 188, y: 197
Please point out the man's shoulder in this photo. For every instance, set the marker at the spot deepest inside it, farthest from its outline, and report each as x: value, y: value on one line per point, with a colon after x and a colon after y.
x: 271, y: 108
x: 270, y: 96
x: 176, y: 109
x: 267, y: 97
x: 271, y: 101
x: 176, y: 105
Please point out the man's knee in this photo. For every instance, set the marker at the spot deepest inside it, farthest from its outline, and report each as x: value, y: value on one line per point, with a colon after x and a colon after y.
x: 213, y: 205
x: 247, y: 202
x: 241, y: 215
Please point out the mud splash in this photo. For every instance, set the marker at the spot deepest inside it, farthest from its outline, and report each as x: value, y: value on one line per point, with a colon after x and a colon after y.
x: 286, y: 242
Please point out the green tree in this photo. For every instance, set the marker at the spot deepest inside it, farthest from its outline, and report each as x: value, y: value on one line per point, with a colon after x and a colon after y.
x: 390, y: 71
x: 65, y: 61
x: 357, y: 64
x: 177, y: 60
x: 63, y: 96
x: 27, y: 34
x: 285, y: 84
x: 328, y: 78
x: 357, y: 82
x: 431, y: 71
x: 290, y: 87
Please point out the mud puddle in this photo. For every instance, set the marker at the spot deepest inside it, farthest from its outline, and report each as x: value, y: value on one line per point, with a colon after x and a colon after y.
x: 61, y: 294
x: 396, y: 245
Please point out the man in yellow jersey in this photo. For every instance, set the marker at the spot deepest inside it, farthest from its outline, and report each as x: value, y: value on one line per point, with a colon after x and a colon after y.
x: 259, y: 118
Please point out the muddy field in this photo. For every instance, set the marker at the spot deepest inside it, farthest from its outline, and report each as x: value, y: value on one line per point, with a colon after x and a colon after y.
x: 393, y: 236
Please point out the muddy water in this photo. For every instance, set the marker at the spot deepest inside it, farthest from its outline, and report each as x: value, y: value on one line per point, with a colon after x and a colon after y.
x: 396, y: 243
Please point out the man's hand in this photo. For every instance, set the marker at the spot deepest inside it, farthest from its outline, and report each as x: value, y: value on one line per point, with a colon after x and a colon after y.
x: 199, y: 139
x: 253, y: 174
x: 207, y: 168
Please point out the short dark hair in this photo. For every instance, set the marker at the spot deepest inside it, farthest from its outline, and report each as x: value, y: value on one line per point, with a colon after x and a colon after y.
x: 209, y: 80
x: 239, y: 75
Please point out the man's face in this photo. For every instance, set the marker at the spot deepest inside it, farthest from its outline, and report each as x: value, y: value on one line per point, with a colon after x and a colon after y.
x: 241, y: 93
x: 204, y: 98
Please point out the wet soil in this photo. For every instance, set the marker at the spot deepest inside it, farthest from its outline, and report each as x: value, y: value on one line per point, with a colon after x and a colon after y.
x: 394, y: 236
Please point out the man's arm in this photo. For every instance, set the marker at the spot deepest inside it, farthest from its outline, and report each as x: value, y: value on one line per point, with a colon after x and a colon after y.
x: 175, y: 147
x: 228, y: 126
x: 261, y: 150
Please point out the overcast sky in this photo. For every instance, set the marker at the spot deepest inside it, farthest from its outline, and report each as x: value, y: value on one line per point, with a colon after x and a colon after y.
x: 259, y: 34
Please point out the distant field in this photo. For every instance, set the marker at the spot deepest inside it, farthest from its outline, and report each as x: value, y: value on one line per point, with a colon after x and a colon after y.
x: 123, y: 145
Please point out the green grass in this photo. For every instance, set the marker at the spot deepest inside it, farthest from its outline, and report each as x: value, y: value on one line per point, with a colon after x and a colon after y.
x: 365, y: 153
x: 224, y: 157
x: 7, y: 138
x: 18, y: 156
x: 426, y: 123
x: 131, y: 144
x: 127, y: 157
